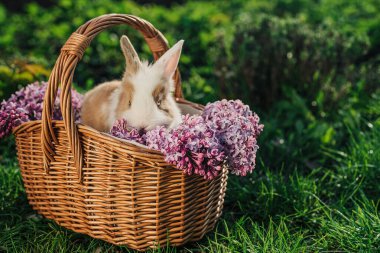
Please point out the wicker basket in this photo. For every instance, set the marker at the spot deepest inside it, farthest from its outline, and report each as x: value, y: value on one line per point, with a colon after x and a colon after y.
x: 111, y: 189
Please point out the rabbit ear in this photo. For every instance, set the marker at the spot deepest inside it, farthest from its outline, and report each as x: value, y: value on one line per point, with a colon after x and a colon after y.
x: 169, y: 61
x: 131, y: 57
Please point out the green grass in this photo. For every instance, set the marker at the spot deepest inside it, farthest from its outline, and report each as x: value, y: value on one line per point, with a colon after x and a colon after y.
x: 282, y: 207
x: 316, y: 187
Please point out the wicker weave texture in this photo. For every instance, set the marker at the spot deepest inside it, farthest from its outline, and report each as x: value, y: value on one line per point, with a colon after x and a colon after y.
x: 128, y: 196
x: 111, y: 189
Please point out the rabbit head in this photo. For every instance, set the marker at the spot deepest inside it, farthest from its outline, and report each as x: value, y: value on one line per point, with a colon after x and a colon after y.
x: 148, y: 88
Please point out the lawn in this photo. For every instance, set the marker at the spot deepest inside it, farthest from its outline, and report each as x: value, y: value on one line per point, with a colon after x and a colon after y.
x: 316, y: 186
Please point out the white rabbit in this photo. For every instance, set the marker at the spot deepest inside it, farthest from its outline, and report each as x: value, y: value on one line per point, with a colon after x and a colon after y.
x: 143, y: 97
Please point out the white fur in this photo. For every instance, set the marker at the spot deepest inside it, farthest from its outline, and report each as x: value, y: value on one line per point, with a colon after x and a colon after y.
x: 101, y: 106
x: 143, y: 112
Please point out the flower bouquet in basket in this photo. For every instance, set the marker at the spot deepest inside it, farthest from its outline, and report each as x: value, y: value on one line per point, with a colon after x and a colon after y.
x: 128, y: 162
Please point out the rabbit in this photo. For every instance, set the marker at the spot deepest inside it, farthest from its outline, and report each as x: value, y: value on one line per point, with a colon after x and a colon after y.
x: 143, y: 97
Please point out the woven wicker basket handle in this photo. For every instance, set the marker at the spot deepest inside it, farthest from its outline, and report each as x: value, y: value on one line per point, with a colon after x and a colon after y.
x: 63, y: 72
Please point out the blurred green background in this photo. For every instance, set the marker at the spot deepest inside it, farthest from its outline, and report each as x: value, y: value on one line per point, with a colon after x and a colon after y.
x: 323, y: 50
x: 309, y: 68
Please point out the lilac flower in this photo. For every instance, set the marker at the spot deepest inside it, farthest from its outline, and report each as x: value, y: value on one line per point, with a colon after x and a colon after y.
x: 26, y: 105
x: 191, y: 147
x: 11, y: 116
x: 121, y: 130
x: 225, y: 133
x: 237, y: 128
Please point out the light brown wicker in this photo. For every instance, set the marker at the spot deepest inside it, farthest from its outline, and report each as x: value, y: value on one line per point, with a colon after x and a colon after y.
x: 111, y: 189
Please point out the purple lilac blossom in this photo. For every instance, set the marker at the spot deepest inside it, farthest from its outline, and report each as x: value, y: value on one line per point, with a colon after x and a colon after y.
x: 225, y: 133
x: 191, y: 147
x: 121, y: 130
x: 237, y: 128
x: 26, y: 105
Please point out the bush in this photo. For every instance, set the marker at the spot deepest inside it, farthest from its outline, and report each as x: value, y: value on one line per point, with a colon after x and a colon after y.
x: 268, y: 53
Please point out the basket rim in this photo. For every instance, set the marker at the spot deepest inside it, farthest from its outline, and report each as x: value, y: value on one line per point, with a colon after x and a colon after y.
x: 112, y: 140
x: 115, y: 141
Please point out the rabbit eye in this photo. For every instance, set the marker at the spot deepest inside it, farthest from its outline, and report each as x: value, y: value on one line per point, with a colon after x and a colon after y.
x: 130, y: 103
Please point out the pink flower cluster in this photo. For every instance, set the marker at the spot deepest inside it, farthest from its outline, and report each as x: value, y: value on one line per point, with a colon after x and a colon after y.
x: 26, y: 105
x: 121, y: 130
x: 237, y: 128
x: 225, y: 134
x: 191, y: 147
